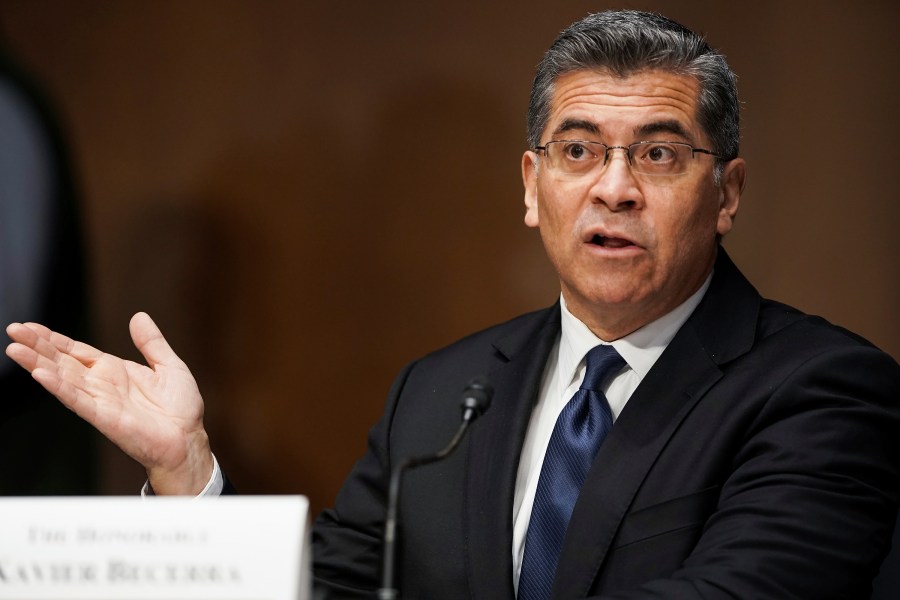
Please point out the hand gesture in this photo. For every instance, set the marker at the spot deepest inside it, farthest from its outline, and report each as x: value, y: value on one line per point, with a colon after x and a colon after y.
x: 153, y: 413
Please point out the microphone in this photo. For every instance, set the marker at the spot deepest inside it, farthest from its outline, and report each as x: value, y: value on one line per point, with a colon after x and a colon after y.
x: 476, y: 399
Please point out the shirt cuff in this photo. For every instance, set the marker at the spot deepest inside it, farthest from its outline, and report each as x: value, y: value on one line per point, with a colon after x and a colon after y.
x: 213, y: 486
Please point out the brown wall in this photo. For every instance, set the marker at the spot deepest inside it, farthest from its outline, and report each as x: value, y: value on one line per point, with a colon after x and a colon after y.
x: 307, y: 195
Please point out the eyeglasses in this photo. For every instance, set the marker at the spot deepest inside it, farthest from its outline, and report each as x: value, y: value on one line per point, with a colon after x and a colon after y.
x: 575, y: 158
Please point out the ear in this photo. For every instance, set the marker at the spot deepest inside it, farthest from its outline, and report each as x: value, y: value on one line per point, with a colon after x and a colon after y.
x: 529, y: 178
x: 730, y: 188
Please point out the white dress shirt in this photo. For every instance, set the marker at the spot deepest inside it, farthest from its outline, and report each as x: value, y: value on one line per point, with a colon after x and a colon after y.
x: 214, y: 486
x: 563, y: 375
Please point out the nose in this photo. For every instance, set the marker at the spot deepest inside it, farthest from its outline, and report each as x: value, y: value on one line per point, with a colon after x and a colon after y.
x: 615, y: 185
x: 610, y: 153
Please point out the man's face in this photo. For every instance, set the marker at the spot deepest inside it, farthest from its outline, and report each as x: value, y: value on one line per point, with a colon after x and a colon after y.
x: 628, y: 248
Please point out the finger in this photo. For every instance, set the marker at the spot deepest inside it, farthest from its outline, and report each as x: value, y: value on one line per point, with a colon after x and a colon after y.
x: 150, y: 342
x: 82, y: 352
x: 35, y: 350
x: 24, y: 356
x: 79, y: 350
x: 38, y: 329
x: 70, y: 395
x: 18, y: 332
x: 28, y: 358
x: 52, y: 345
x: 29, y: 349
x: 33, y: 333
x: 49, y: 373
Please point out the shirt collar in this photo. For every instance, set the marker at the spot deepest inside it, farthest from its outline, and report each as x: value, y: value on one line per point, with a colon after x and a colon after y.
x: 640, y: 348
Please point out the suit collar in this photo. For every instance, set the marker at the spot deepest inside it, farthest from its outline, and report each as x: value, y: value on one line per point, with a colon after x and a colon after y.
x: 725, y: 321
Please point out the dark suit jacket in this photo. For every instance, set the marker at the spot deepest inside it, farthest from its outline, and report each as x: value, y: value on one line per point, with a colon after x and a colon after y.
x: 759, y: 458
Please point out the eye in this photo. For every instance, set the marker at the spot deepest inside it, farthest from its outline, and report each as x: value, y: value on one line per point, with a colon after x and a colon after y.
x: 658, y: 153
x: 660, y: 158
x: 577, y: 151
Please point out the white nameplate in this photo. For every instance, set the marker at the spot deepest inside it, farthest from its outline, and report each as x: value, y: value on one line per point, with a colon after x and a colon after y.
x: 111, y: 548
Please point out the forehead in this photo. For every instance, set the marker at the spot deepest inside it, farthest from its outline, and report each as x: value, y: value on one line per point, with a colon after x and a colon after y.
x: 619, y: 105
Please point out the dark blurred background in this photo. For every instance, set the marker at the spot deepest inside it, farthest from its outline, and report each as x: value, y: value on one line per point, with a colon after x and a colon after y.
x: 307, y: 195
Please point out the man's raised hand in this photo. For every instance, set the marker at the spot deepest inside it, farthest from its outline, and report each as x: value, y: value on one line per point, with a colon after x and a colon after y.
x: 153, y: 413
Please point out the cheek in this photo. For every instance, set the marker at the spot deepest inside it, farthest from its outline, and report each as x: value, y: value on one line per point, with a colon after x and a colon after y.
x: 557, y: 216
x: 554, y: 231
x: 685, y: 229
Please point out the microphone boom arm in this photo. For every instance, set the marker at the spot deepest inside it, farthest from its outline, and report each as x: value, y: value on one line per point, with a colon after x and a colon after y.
x: 476, y: 400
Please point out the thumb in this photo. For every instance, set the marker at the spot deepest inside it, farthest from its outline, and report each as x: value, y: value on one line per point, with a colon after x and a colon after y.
x: 149, y: 341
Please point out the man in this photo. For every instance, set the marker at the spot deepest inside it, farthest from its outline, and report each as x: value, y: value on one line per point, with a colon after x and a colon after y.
x: 754, y: 450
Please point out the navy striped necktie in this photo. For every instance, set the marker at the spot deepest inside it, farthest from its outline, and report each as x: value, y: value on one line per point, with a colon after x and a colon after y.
x: 580, y: 429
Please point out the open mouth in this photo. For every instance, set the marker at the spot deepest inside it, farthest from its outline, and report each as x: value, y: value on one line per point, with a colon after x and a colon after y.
x: 610, y: 242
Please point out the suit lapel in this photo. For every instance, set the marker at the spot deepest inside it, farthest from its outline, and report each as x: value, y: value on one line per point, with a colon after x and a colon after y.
x: 686, y: 370
x: 493, y: 455
x: 640, y: 433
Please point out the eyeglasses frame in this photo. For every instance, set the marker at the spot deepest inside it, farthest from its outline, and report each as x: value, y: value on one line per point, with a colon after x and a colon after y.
x: 627, y: 149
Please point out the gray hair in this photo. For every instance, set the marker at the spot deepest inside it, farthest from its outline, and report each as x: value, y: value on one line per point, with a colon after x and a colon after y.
x: 625, y: 42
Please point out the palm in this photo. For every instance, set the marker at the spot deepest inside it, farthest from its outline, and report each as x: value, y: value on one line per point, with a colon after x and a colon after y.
x: 154, y: 413
x: 146, y: 412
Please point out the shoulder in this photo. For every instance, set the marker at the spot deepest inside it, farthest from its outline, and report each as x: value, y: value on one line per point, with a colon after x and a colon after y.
x: 443, y: 373
x: 736, y: 325
x: 803, y: 362
x: 790, y: 333
x: 500, y: 341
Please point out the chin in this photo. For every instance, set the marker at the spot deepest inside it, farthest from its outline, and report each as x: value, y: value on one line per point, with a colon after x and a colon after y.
x: 609, y: 296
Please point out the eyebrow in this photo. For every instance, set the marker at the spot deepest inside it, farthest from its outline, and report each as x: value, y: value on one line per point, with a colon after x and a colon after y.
x: 577, y: 124
x: 642, y: 131
x: 673, y: 127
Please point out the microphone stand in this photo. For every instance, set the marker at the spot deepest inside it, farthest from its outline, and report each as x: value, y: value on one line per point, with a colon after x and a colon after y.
x: 476, y: 400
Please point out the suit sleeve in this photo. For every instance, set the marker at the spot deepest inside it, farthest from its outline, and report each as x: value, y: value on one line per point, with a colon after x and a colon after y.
x: 808, y: 508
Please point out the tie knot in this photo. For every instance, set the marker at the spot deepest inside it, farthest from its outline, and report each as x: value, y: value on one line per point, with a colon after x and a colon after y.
x: 602, y: 361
